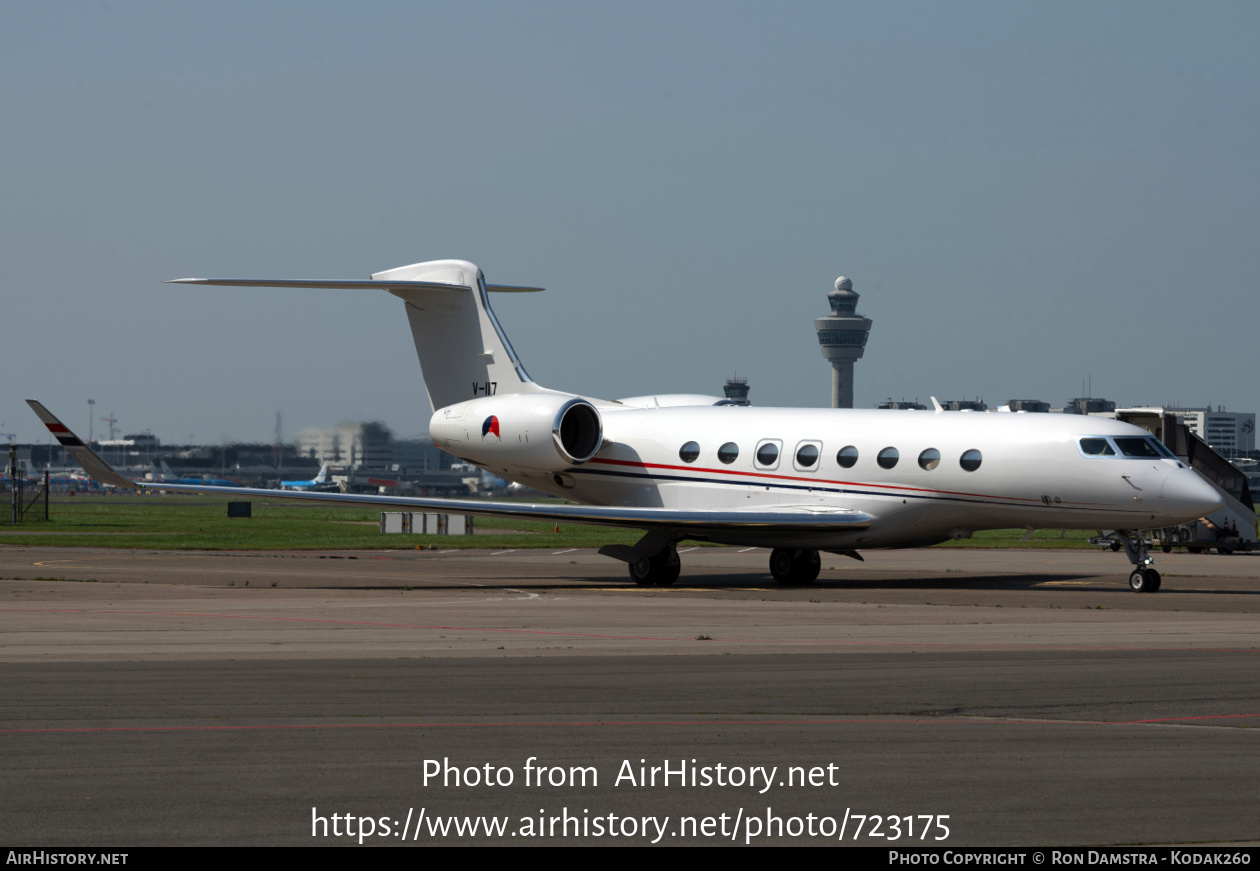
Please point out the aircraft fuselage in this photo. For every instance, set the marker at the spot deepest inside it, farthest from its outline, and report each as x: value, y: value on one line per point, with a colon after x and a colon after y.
x: 922, y: 476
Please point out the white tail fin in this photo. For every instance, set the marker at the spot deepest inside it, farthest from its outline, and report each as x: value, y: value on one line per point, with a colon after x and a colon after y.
x: 322, y: 476
x: 464, y: 353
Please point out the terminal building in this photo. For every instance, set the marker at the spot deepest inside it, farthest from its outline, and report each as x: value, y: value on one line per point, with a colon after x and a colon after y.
x: 352, y: 445
x: 1035, y: 406
x: 1089, y: 405
x: 1230, y: 433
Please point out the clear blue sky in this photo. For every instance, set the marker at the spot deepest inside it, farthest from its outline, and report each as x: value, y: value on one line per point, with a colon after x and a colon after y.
x: 1024, y: 195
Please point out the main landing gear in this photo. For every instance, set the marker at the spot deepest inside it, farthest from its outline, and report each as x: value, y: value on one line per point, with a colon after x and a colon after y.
x: 791, y: 566
x: 1144, y: 578
x: 659, y: 570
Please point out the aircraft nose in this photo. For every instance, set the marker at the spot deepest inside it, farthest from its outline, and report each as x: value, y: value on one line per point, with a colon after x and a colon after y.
x: 1188, y: 495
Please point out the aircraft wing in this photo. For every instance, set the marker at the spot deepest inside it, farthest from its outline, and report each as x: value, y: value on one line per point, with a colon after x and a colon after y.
x: 102, y: 471
x: 803, y: 519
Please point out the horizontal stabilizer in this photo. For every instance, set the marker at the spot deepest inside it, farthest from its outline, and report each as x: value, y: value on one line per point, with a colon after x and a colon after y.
x: 330, y: 285
x: 350, y: 285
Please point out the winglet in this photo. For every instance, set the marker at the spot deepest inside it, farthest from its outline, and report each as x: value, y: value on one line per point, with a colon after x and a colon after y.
x: 102, y: 471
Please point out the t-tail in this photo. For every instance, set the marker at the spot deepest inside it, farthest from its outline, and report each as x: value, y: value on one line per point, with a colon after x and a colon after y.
x: 464, y: 352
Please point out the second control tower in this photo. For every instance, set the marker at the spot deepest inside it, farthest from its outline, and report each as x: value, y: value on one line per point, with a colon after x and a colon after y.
x: 842, y: 336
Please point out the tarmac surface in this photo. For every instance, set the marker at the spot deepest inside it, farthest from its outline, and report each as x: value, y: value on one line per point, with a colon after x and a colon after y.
x: 994, y: 697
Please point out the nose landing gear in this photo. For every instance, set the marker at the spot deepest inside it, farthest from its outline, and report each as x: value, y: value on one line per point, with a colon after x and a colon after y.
x: 1144, y: 578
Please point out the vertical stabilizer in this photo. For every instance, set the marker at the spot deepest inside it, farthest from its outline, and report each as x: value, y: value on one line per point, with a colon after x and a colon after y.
x: 464, y: 353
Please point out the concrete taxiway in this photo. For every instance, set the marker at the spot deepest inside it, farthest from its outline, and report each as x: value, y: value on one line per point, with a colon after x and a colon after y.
x: 164, y: 697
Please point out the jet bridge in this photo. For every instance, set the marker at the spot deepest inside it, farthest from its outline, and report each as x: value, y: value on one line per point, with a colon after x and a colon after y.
x: 1231, y: 527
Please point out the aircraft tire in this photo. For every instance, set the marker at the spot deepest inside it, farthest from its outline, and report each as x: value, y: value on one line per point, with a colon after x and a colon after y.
x: 807, y: 565
x: 669, y: 573
x: 790, y: 566
x: 1144, y: 581
x: 641, y: 572
x: 659, y: 570
x: 782, y: 565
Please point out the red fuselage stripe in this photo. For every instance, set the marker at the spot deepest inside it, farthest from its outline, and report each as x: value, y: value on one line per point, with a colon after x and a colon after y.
x: 797, y: 478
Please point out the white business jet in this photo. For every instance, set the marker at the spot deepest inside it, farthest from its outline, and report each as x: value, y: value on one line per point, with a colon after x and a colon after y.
x: 797, y: 481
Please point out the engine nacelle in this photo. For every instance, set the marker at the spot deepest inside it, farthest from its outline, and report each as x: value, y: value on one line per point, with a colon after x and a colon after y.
x: 536, y: 432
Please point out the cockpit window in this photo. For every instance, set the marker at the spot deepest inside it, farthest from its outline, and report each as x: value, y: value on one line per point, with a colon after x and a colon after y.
x: 1129, y: 447
x: 1138, y: 447
x: 1097, y: 448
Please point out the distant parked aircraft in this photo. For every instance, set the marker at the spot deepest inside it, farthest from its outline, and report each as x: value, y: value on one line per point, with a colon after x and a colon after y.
x: 320, y: 480
x: 169, y: 477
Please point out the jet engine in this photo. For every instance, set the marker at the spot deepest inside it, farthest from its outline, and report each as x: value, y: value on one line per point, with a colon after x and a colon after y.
x: 535, y: 432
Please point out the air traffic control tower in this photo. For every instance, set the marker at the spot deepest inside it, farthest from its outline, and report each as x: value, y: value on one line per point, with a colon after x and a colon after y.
x: 842, y: 336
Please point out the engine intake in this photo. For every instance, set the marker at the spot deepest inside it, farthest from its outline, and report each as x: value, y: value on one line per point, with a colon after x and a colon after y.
x: 578, y: 431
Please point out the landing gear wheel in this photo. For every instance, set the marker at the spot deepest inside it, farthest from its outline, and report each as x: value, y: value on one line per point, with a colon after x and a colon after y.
x: 790, y: 566
x: 1115, y: 546
x: 1144, y: 581
x: 670, y: 570
x: 641, y: 572
x: 659, y: 570
x: 781, y: 565
x: 1166, y: 547
x: 809, y: 564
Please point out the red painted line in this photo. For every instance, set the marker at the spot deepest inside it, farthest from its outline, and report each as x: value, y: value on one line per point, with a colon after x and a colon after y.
x: 363, y: 623
x: 534, y: 724
x: 545, y: 723
x: 56, y: 427
x: 1183, y: 719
